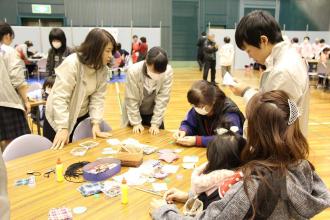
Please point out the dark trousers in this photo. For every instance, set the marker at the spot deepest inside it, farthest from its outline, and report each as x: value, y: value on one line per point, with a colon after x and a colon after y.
x: 200, y: 60
x: 209, y: 64
x: 49, y: 133
x: 146, y: 119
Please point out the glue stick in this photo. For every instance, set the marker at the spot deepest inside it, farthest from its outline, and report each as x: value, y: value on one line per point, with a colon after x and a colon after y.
x: 59, y: 171
x: 124, y: 192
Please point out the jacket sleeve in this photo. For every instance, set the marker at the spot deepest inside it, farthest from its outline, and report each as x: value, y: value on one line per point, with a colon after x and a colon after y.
x: 62, y: 92
x: 96, y: 103
x: 49, y: 64
x: 233, y: 206
x: 162, y: 99
x: 189, y: 124
x: 203, y: 182
x: 132, y: 99
x: 15, y: 67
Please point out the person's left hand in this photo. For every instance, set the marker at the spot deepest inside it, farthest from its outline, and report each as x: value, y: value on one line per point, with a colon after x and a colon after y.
x: 96, y: 131
x: 156, y: 204
x: 187, y: 140
x: 27, y: 106
x: 154, y: 130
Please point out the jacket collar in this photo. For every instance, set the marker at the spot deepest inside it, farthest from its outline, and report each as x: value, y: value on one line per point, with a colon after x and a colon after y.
x: 272, y: 58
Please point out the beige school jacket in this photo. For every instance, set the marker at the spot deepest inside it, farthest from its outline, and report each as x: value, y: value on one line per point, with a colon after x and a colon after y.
x: 134, y: 95
x: 67, y: 95
x: 11, y: 78
x: 286, y: 71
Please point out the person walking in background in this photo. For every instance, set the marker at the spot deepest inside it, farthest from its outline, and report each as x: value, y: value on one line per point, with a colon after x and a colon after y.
x: 226, y: 56
x: 210, y: 49
x: 200, y: 53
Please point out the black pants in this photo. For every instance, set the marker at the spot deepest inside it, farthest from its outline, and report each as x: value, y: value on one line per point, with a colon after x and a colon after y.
x: 209, y: 64
x: 200, y: 60
x: 49, y: 132
x: 146, y: 119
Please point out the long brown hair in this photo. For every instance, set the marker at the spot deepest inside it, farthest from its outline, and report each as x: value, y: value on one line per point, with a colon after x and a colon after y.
x: 90, y: 52
x: 272, y: 146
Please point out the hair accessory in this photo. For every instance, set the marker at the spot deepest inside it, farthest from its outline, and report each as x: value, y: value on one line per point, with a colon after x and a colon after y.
x: 294, y: 112
x: 221, y: 131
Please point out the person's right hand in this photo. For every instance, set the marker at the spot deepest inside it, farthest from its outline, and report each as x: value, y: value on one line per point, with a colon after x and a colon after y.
x: 238, y: 89
x: 61, y: 138
x: 179, y: 134
x: 175, y: 195
x: 138, y: 128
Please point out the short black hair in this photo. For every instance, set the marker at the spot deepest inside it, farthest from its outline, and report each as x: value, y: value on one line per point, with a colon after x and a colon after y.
x: 28, y: 43
x: 322, y: 41
x: 295, y: 40
x: 306, y: 37
x: 255, y: 24
x: 143, y: 39
x: 57, y: 34
x: 157, y: 57
x: 203, y: 33
x: 5, y: 29
x: 226, y: 40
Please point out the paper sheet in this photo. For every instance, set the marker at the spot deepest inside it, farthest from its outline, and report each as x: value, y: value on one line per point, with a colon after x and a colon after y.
x: 158, y: 187
x: 228, y: 80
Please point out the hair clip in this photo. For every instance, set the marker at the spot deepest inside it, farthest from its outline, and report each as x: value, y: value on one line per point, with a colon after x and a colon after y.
x: 221, y: 131
x: 294, y: 112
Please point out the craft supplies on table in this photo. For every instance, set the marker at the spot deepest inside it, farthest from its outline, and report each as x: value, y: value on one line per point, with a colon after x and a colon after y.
x: 101, y: 169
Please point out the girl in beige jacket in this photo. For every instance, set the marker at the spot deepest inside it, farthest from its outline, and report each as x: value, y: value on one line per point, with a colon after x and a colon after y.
x: 147, y: 92
x: 79, y: 89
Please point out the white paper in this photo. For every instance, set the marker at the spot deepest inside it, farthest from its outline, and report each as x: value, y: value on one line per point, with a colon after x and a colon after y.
x: 190, y: 159
x: 170, y: 168
x: 114, y: 141
x: 158, y: 187
x: 109, y: 150
x: 228, y: 80
x: 188, y: 166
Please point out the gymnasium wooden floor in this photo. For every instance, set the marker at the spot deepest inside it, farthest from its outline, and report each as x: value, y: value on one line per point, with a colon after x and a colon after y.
x: 319, y: 117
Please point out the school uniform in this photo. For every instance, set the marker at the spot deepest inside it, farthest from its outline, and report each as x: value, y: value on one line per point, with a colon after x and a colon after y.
x: 79, y: 92
x: 12, y: 111
x: 146, y: 99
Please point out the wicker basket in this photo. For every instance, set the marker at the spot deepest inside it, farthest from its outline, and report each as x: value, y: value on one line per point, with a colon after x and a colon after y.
x: 133, y: 158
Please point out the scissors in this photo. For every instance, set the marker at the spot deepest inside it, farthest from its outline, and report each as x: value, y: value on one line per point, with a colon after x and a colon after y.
x: 48, y: 172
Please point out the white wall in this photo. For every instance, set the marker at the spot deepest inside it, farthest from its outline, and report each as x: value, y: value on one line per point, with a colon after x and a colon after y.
x: 76, y: 35
x: 241, y: 58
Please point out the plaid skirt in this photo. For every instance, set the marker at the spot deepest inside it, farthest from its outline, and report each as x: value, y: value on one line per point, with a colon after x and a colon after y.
x: 13, y: 123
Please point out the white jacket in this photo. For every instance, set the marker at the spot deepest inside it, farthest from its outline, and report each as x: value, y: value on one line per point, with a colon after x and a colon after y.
x: 286, y: 71
x: 134, y: 95
x: 226, y: 55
